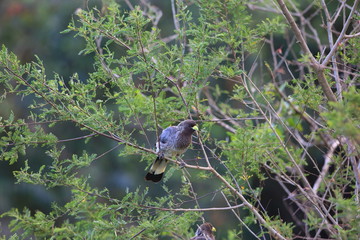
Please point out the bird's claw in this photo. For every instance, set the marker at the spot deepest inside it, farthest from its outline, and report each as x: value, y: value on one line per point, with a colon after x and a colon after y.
x: 181, y: 163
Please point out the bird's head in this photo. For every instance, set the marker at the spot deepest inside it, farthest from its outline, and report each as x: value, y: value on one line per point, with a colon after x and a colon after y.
x: 189, y: 125
x: 208, y: 227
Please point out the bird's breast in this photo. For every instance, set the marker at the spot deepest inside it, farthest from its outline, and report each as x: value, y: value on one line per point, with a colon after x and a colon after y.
x: 182, y: 142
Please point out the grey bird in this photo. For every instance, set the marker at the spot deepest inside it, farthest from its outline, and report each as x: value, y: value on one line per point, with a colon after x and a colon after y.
x: 204, y: 232
x: 173, y: 141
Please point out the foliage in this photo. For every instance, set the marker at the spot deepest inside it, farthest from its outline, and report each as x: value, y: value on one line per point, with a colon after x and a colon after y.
x: 276, y: 150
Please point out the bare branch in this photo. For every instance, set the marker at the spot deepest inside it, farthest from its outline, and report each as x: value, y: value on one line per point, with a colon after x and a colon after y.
x: 318, y: 68
x: 195, y: 209
x: 342, y: 34
x: 327, y: 162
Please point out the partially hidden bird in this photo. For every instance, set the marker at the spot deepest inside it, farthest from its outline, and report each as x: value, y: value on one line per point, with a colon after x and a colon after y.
x: 173, y: 141
x: 204, y: 232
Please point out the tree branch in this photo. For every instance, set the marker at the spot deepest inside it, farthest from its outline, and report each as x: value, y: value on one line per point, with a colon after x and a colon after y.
x: 318, y: 68
x: 341, y: 36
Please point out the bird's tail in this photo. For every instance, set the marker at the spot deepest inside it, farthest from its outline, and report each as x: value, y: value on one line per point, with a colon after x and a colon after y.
x: 157, y: 170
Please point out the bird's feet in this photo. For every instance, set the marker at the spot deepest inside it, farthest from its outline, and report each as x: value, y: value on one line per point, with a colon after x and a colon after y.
x: 181, y: 162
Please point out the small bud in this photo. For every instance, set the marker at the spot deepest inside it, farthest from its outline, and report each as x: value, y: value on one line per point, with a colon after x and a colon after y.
x: 78, y: 11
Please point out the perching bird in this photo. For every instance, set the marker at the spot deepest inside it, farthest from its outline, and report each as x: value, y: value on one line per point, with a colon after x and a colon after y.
x: 173, y: 141
x: 204, y: 232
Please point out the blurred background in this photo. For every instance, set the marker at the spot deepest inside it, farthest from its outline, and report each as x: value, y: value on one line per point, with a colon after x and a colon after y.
x: 29, y: 28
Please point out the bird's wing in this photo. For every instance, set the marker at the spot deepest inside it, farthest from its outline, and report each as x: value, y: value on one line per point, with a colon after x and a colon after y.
x: 167, y: 134
x: 166, y: 138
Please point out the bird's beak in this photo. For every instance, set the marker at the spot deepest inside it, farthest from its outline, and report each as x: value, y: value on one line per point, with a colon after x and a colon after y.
x: 195, y: 128
x: 213, y: 229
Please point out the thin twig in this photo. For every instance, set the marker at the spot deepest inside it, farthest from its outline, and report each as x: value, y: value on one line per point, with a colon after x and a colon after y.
x: 238, y: 217
x: 325, y: 168
x: 194, y: 209
x: 318, y: 68
x: 342, y: 34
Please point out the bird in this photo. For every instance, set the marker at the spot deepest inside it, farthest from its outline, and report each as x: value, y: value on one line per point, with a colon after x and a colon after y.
x: 205, y: 232
x: 173, y: 141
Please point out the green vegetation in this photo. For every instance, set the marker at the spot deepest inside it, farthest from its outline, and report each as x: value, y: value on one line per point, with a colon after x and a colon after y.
x: 277, y: 154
